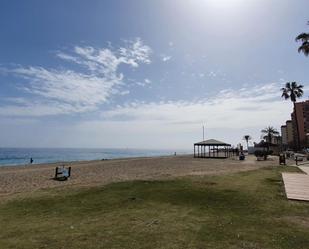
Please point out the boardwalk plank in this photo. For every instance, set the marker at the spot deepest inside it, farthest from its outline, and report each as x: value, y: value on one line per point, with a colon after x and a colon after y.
x: 296, y: 186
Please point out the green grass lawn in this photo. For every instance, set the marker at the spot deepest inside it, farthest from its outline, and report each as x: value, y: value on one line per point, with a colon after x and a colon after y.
x: 244, y: 210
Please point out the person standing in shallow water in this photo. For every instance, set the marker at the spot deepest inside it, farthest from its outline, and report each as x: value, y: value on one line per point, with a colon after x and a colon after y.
x: 31, y: 160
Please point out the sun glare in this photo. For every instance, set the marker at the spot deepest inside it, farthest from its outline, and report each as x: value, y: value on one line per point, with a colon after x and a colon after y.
x: 222, y: 3
x: 219, y: 7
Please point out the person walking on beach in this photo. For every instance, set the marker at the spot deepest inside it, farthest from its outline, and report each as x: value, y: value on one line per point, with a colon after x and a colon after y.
x: 31, y: 160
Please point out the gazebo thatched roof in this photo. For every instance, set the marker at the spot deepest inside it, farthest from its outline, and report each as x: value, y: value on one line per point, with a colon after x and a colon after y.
x: 212, y: 142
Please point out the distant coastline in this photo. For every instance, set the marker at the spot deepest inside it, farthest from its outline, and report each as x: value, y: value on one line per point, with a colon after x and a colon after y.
x: 21, y: 156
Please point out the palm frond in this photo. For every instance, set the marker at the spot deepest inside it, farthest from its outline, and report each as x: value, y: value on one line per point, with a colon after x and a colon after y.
x: 302, y: 37
x: 300, y: 87
x: 304, y: 48
x: 299, y: 94
x: 285, y: 95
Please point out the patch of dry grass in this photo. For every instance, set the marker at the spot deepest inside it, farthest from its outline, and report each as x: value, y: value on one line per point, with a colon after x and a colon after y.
x: 242, y: 210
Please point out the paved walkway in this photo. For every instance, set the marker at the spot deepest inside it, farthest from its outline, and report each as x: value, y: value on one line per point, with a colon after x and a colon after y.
x: 297, y: 185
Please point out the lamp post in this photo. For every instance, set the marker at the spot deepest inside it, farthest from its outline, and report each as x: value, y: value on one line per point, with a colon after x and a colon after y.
x: 203, y: 133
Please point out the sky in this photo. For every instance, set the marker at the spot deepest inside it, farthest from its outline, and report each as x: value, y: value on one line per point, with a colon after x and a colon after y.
x: 146, y: 74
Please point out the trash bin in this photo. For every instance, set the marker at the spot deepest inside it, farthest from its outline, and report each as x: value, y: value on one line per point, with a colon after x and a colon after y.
x: 282, y: 159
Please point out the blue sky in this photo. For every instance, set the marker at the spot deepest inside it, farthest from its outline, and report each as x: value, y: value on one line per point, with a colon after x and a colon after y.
x: 146, y: 74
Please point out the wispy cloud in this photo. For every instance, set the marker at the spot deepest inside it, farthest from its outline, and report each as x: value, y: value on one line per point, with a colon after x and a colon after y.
x: 147, y: 81
x: 212, y: 74
x: 165, y: 58
x: 62, y: 91
x: 246, y: 107
x: 144, y: 83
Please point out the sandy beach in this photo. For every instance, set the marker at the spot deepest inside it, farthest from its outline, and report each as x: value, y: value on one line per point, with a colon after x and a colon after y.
x: 20, y: 179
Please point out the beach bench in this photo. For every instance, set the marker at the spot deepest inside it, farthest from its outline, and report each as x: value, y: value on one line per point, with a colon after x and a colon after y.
x: 62, y: 173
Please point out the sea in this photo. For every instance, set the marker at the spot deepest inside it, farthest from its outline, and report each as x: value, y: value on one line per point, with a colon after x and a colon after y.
x: 22, y: 156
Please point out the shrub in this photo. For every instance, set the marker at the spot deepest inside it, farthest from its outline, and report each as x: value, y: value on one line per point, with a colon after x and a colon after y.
x: 264, y: 154
x: 259, y: 153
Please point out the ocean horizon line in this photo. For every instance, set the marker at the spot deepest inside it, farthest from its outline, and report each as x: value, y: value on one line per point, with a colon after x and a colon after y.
x: 26, y: 156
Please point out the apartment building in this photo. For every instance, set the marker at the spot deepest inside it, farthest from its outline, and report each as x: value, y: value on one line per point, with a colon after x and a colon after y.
x: 289, y: 134
x: 284, y: 135
x: 302, y: 111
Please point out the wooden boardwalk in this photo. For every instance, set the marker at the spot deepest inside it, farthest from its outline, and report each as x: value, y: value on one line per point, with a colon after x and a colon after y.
x: 297, y: 185
x: 304, y: 169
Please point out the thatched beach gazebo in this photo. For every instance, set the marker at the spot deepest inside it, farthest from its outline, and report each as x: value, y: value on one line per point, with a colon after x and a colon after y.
x: 212, y: 148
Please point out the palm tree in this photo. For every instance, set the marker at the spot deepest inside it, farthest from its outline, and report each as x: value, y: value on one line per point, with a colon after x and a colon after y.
x: 247, y: 138
x: 293, y: 91
x: 269, y: 132
x: 304, y: 38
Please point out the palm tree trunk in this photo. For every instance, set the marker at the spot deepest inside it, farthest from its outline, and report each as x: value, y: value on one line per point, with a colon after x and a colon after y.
x: 297, y: 131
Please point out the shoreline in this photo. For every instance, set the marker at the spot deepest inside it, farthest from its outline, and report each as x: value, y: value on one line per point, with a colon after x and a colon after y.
x: 86, y: 161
